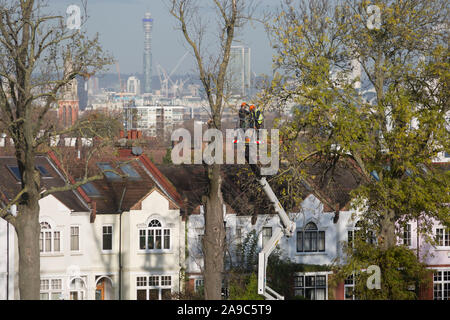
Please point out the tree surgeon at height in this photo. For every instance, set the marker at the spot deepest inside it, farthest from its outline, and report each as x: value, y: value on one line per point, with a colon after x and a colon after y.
x: 192, y: 19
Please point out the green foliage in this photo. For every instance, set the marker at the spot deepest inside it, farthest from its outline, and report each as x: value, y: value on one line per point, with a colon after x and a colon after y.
x: 244, y: 287
x: 397, y: 132
x: 280, y: 273
x: 167, y: 158
x: 247, y: 253
x: 402, y: 274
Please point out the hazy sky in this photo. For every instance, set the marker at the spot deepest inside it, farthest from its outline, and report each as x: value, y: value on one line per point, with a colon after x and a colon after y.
x: 119, y: 23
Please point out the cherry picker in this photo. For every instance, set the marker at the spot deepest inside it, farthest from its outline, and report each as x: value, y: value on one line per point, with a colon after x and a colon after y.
x: 287, y: 228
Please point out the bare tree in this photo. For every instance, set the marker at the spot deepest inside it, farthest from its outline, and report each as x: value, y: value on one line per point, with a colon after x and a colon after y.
x: 212, y: 54
x: 39, y: 58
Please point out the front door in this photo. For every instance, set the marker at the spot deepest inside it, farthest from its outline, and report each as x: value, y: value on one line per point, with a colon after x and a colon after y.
x: 100, y: 290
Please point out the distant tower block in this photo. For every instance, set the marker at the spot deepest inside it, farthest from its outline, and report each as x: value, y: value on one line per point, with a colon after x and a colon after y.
x: 148, y: 24
x: 68, y: 104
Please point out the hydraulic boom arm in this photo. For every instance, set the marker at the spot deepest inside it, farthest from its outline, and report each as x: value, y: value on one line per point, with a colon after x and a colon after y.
x: 287, y: 229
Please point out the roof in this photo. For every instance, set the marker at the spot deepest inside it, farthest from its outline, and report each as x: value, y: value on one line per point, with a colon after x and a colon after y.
x: 115, y: 194
x: 10, y: 185
x: 242, y: 193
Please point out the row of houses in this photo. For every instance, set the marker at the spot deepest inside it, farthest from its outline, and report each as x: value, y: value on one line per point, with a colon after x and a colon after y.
x: 140, y: 237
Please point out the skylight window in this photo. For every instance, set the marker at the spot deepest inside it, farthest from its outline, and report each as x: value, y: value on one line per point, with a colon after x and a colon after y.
x: 90, y: 190
x: 109, y: 174
x: 44, y: 172
x: 129, y: 171
x: 15, y: 171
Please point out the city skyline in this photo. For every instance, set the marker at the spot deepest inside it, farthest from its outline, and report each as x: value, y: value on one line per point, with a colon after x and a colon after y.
x: 119, y: 25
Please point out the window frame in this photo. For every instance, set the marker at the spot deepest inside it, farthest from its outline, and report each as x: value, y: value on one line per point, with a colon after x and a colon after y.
x: 199, y: 283
x: 82, y: 290
x: 43, y: 239
x: 303, y: 285
x: 11, y: 168
x: 370, y: 237
x: 44, y: 173
x: 445, y: 237
x: 407, y: 235
x: 109, y: 175
x: 153, y: 233
x: 111, y: 235
x: 73, y: 251
x: 264, y: 238
x: 134, y: 174
x: 317, y: 234
x: 351, y: 286
x: 147, y: 287
x: 444, y: 282
x: 91, y: 190
x: 50, y: 291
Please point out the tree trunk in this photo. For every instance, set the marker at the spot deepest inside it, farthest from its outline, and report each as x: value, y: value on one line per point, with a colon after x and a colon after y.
x: 28, y: 230
x: 388, y: 239
x: 214, y: 240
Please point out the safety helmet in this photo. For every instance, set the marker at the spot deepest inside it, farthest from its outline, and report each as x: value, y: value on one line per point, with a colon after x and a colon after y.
x: 243, y: 104
x: 252, y: 107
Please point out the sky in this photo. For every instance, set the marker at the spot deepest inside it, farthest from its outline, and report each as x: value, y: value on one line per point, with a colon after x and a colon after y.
x: 119, y: 24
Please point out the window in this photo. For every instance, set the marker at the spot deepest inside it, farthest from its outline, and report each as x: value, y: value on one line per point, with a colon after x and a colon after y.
x: 154, y: 287
x: 355, y: 232
x: 441, y: 285
x: 266, y: 235
x: 311, y: 286
x: 407, y: 235
x: 104, y: 166
x: 90, y: 190
x: 225, y: 290
x: 77, y: 289
x: 49, y: 239
x: 130, y: 172
x: 199, y: 285
x: 154, y: 237
x: 107, y: 238
x: 44, y: 172
x: 443, y: 237
x: 238, y: 236
x: 349, y: 288
x: 311, y: 239
x: 51, y: 289
x: 15, y: 172
x: 74, y: 238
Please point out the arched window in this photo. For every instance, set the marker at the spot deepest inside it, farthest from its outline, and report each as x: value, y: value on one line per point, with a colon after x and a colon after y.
x: 49, y: 239
x: 77, y: 289
x: 154, y: 237
x: 310, y: 239
x: 69, y: 118
x: 64, y: 115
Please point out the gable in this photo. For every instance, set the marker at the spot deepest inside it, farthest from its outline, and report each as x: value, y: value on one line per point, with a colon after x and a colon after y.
x: 155, y: 200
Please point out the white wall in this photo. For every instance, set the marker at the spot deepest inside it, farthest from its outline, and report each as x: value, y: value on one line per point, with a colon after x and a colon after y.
x: 8, y: 281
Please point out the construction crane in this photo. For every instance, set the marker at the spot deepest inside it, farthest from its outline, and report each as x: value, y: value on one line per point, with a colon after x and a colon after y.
x: 165, y: 77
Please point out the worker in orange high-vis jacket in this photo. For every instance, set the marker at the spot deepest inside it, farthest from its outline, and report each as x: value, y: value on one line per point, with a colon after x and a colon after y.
x: 243, y: 115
